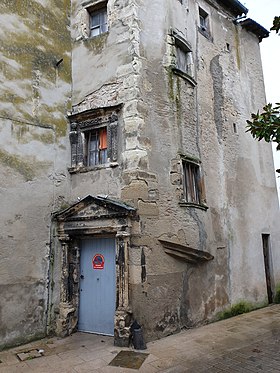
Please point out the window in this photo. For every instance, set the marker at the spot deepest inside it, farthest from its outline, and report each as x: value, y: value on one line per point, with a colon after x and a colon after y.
x: 191, y: 182
x: 98, y: 21
x: 204, y: 21
x: 181, y: 57
x: 184, y: 61
x: 94, y: 138
x: 96, y: 144
x: 192, y: 190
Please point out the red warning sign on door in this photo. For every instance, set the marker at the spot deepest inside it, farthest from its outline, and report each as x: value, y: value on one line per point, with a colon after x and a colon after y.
x: 98, y: 261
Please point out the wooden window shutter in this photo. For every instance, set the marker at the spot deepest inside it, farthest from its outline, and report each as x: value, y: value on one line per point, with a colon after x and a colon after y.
x: 112, y: 138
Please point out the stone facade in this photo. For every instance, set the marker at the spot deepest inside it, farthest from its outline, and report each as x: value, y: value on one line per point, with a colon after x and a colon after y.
x: 185, y: 192
x: 35, y: 96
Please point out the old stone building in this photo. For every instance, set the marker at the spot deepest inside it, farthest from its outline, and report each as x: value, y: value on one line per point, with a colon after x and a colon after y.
x: 129, y: 188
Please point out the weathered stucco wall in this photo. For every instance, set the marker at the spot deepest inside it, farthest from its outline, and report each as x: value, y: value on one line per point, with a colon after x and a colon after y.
x: 186, y: 294
x: 207, y: 122
x: 162, y: 116
x: 35, y: 93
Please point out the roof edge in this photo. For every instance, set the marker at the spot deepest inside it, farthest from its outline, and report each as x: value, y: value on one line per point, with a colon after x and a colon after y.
x: 254, y: 27
x: 234, y: 6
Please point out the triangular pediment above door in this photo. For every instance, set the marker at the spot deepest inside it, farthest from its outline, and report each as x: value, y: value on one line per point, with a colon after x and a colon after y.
x: 91, y: 208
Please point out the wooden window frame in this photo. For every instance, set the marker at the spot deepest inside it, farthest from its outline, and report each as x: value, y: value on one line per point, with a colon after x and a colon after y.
x: 95, y: 156
x: 191, y: 179
x: 101, y: 26
x: 183, y: 51
x: 193, y: 190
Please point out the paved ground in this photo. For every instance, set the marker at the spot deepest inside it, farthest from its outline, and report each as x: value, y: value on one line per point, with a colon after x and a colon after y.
x: 246, y: 343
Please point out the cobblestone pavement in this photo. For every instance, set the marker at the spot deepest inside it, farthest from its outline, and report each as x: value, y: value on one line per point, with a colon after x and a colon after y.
x: 246, y: 343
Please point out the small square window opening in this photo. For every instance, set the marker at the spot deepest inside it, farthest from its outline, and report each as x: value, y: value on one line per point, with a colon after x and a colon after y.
x: 98, y: 22
x: 96, y: 144
x: 191, y: 181
x: 203, y: 20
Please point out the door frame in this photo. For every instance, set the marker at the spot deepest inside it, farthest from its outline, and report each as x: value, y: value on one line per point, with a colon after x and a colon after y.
x: 91, y: 217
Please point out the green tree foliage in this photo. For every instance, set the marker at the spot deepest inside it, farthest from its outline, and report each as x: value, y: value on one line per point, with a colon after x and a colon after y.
x: 276, y: 25
x: 266, y: 125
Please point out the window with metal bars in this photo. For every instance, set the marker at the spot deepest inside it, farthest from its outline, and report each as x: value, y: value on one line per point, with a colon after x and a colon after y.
x: 191, y: 182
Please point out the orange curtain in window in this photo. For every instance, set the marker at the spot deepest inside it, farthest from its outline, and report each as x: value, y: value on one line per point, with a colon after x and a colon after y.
x: 103, y: 139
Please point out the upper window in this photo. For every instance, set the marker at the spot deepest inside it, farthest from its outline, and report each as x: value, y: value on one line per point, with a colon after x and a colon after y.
x: 181, y: 57
x: 94, y: 138
x: 191, y: 182
x: 204, y: 22
x: 98, y: 21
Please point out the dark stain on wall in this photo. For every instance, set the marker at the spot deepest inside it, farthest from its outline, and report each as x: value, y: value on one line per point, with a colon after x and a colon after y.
x: 217, y: 77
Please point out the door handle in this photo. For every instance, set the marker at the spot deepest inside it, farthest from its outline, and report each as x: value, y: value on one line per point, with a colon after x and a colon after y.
x: 82, y: 277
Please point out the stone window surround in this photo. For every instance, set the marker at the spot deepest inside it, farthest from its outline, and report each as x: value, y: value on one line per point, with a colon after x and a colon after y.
x: 206, y: 32
x: 203, y: 20
x: 81, y: 123
x: 89, y: 7
x: 181, y: 42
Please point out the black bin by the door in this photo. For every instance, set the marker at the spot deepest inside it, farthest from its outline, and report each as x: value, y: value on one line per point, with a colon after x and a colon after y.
x: 138, y: 339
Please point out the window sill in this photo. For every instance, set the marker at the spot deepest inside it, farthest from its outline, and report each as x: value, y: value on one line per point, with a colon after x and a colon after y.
x: 83, y: 169
x: 93, y: 39
x: 103, y: 34
x: 205, y: 34
x: 200, y: 206
x: 184, y: 75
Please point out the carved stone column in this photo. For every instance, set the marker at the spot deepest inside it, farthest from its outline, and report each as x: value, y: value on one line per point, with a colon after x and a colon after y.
x: 66, y: 309
x: 123, y: 312
x: 64, y: 268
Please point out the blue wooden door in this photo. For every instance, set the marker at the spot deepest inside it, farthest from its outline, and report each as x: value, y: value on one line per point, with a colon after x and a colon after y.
x: 97, y: 286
